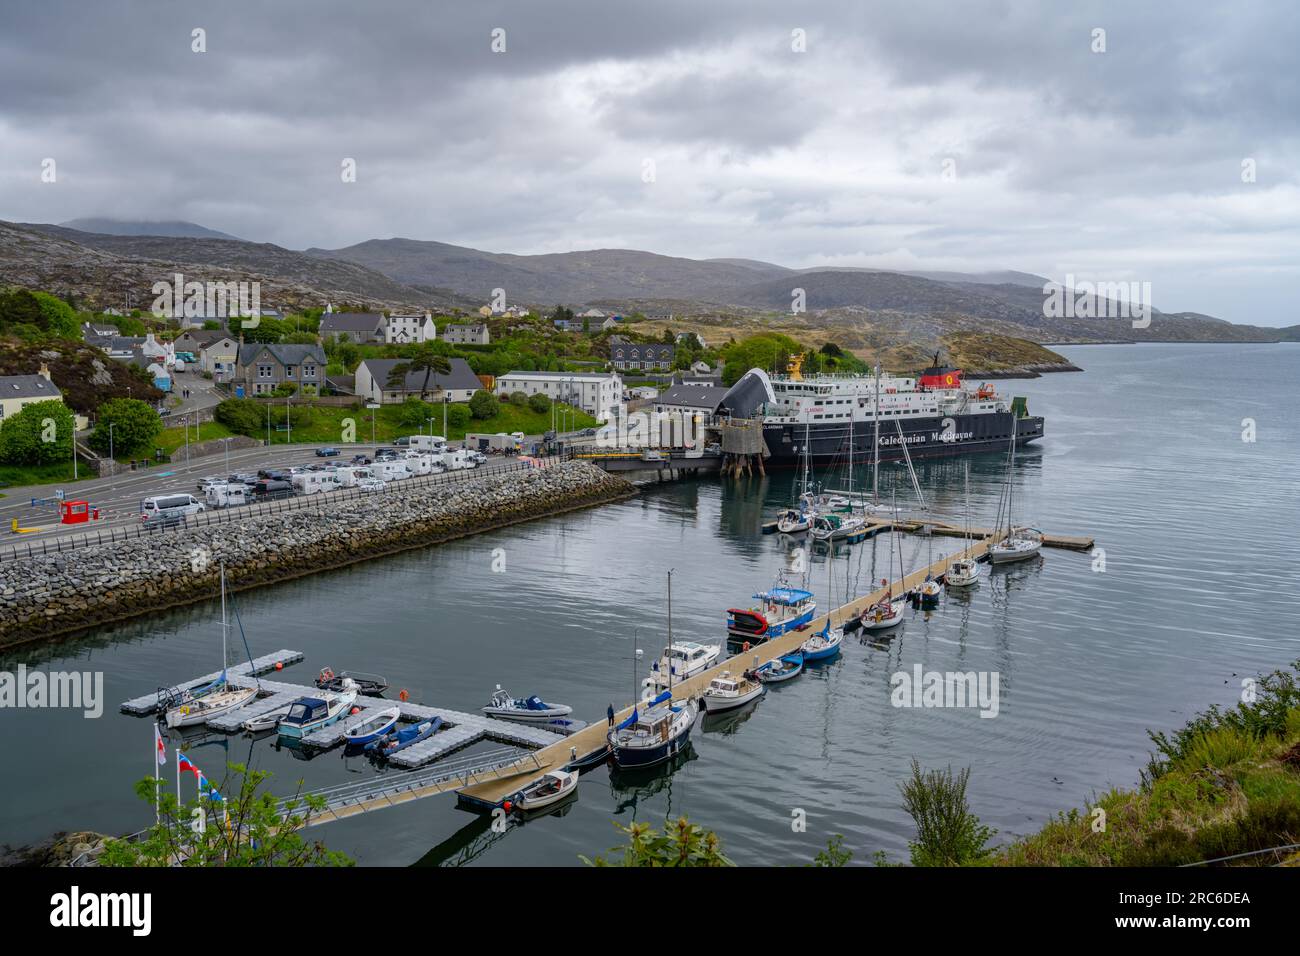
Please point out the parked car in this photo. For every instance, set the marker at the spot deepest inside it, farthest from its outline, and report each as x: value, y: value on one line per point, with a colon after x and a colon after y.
x: 360, y: 460
x: 205, y: 483
x: 274, y: 474
x: 269, y: 489
x: 478, y: 458
x: 169, y: 507
x: 589, y: 433
x: 371, y: 484
x: 403, y: 441
x: 243, y: 477
x: 326, y: 452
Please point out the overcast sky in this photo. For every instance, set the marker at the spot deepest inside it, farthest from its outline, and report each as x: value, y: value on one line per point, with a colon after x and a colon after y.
x: 1118, y: 165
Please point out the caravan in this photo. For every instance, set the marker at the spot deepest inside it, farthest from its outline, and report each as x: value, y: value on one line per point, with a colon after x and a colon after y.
x: 435, y: 444
x: 226, y: 494
x: 314, y: 482
x: 349, y: 476
x: 390, y: 470
x: 460, y: 458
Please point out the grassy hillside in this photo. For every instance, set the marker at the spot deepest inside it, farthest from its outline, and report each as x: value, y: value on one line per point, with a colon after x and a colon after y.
x: 1227, y: 783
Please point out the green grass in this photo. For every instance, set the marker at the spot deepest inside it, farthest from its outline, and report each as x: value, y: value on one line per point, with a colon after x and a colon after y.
x: 1227, y: 783
x: 173, y: 438
x: 18, y: 475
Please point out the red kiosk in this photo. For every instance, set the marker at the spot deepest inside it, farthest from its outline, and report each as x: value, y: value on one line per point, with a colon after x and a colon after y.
x: 77, y: 512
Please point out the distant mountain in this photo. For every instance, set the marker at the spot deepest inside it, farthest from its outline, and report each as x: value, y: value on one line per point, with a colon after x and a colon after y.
x: 175, y: 228
x: 102, y: 270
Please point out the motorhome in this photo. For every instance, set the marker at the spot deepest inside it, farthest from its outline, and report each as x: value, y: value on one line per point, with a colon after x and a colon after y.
x: 500, y: 442
x: 315, y: 482
x: 348, y: 476
x: 460, y: 458
x: 427, y: 443
x: 390, y: 470
x: 227, y: 494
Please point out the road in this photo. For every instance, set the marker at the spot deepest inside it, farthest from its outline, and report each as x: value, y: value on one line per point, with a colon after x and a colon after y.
x: 118, y: 497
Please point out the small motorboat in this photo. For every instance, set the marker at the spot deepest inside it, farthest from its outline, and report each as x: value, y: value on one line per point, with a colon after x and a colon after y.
x: 681, y: 660
x: 780, y: 668
x: 1020, y: 544
x: 728, y: 693
x: 371, y: 685
x: 552, y: 788
x: 309, y: 714
x: 529, y: 709
x: 373, y: 727
x: 883, y: 614
x: 823, y: 645
x: 267, y: 721
x: 962, y: 573
x: 399, y: 738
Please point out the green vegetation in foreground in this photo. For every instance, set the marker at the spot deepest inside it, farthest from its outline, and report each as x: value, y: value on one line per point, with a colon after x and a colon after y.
x: 318, y: 424
x: 173, y: 439
x: 17, y: 476
x: 243, y: 828
x: 682, y: 843
x: 1226, y: 783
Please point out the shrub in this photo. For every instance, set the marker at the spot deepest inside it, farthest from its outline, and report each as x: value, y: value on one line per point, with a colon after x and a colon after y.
x: 519, y: 398
x: 284, y: 389
x: 680, y: 844
x: 539, y: 403
x: 242, y: 416
x: 135, y: 425
x: 484, y: 405
x: 458, y: 416
x: 947, y: 833
x: 40, y: 434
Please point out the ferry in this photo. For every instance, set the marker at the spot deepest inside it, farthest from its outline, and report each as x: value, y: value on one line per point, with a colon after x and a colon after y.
x: 934, y: 414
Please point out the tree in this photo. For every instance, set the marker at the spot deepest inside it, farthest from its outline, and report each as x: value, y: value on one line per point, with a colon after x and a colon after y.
x: 768, y: 351
x: 424, y: 358
x: 458, y: 417
x: 231, y: 825
x: 60, y: 318
x: 243, y: 416
x: 539, y: 403
x: 134, y: 423
x: 483, y: 404
x: 680, y: 844
x: 947, y: 833
x: 40, y: 434
x: 20, y: 307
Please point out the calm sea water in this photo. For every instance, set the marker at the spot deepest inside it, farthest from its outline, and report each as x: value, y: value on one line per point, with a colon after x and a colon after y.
x: 1144, y: 451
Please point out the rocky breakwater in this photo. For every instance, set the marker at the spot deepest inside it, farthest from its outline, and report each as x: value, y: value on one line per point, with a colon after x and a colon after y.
x: 63, y: 593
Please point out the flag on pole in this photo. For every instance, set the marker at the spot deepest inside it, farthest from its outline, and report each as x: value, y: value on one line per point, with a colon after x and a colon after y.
x: 159, y: 747
x: 184, y: 763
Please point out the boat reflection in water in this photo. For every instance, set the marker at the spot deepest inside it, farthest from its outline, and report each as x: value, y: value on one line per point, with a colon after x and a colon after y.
x: 628, y: 788
x: 728, y: 722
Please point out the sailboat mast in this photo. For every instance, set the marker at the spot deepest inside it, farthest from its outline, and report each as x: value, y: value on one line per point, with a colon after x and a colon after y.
x: 670, y: 634
x: 224, y: 625
x: 1011, y: 468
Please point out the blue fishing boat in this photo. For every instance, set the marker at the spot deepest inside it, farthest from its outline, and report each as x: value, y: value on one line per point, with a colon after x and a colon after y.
x: 823, y: 645
x: 373, y: 727
x: 401, y: 738
x: 781, y: 609
x: 780, y: 668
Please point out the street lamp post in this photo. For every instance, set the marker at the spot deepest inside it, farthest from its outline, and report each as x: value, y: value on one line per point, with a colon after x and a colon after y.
x: 110, y: 441
x: 227, y: 444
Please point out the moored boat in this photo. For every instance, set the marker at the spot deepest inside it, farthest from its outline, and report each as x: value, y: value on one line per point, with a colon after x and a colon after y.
x: 780, y: 609
x: 823, y: 645
x: 780, y: 668
x: 650, y: 737
x: 189, y: 708
x: 885, y: 613
x: 265, y: 721
x: 727, y: 693
x: 1019, y: 545
x: 553, y: 787
x: 399, y: 738
x: 836, y: 527
x: 310, y: 714
x: 528, y: 709
x: 371, y: 685
x: 681, y: 660
x: 373, y: 727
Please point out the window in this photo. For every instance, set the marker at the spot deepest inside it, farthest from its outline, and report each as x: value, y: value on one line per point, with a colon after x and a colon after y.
x: 264, y: 371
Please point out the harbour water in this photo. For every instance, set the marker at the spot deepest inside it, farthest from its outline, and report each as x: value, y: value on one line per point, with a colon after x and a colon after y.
x: 1144, y: 452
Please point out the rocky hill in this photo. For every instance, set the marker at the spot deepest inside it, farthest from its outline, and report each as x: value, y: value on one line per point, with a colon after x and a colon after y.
x: 133, y: 227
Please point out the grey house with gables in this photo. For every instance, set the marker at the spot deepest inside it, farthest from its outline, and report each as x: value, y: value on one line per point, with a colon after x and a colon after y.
x: 261, y: 366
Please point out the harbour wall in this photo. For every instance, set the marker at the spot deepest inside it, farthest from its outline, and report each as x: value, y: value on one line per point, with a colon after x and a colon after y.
x: 61, y: 594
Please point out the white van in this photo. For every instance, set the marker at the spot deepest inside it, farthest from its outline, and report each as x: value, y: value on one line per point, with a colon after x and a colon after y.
x: 227, y: 494
x: 453, y: 460
x: 165, y: 507
x: 427, y: 443
x: 314, y: 482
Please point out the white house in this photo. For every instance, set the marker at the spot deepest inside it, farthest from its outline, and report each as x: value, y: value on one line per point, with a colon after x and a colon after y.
x: 403, y: 329
x: 596, y: 393
x: 374, y: 381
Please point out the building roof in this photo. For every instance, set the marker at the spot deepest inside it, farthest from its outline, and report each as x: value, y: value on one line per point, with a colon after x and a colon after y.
x: 204, y: 346
x: 350, y: 322
x: 285, y: 354
x: 558, y: 375
x: 28, y: 386
x: 204, y: 336
x: 461, y: 377
x: 692, y: 396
